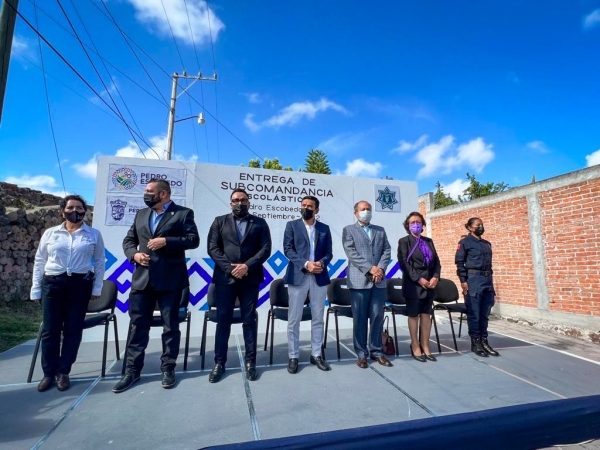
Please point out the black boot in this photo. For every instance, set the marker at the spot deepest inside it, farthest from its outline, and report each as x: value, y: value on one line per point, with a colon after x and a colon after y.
x: 488, y: 348
x: 477, y: 348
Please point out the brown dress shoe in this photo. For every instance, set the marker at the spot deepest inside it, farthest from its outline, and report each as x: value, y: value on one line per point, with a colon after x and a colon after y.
x: 45, y: 384
x: 62, y: 382
x: 382, y: 360
x: 362, y: 363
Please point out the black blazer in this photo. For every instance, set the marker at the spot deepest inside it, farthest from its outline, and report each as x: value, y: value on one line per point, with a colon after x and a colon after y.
x: 168, y: 269
x: 415, y: 267
x: 225, y: 248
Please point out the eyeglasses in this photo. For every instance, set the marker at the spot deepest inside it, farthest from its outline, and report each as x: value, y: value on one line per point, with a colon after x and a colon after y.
x: 243, y: 201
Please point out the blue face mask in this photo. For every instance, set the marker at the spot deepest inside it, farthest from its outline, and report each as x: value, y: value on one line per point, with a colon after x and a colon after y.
x: 416, y: 228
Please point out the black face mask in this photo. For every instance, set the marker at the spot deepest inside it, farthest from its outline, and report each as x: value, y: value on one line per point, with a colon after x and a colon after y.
x: 479, y: 231
x: 240, y: 210
x: 306, y: 213
x: 74, y: 216
x: 150, y: 201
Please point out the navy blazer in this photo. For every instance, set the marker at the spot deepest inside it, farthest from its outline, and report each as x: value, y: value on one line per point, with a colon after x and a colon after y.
x: 225, y: 248
x: 167, y: 269
x: 415, y: 268
x: 297, y: 249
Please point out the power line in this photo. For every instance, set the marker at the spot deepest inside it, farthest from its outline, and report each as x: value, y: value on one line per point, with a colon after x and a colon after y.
x: 62, y: 178
x: 70, y: 66
x: 173, y: 35
x: 215, y: 70
x: 102, y: 81
x: 163, y: 101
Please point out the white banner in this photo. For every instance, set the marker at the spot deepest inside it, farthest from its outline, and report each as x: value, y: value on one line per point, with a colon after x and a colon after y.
x: 131, y: 179
x: 120, y: 211
x: 387, y: 198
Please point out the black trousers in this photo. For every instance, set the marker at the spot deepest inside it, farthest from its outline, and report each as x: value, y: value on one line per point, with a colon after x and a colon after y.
x: 64, y: 303
x: 141, y: 310
x: 226, y: 295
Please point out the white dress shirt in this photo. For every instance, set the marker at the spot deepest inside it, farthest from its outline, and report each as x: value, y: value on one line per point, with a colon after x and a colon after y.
x: 310, y: 229
x: 60, y: 251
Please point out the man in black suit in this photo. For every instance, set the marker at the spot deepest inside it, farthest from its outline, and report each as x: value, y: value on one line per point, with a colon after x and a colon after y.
x: 239, y: 244
x: 156, y: 244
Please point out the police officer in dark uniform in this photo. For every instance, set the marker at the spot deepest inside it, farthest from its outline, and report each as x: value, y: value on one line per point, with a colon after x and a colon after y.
x: 474, y: 269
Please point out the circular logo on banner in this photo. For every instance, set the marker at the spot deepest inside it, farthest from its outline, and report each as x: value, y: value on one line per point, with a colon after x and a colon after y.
x: 124, y: 178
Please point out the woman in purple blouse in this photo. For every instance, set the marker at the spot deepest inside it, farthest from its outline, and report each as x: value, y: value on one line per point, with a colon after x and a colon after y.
x: 421, y: 269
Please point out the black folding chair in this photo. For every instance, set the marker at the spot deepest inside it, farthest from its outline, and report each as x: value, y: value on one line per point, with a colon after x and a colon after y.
x: 446, y: 299
x: 96, y: 314
x: 211, y: 316
x: 395, y: 304
x: 184, y: 315
x: 280, y: 303
x: 338, y: 295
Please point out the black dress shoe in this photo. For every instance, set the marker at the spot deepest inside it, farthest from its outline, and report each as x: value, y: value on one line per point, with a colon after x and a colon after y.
x: 430, y: 357
x: 419, y: 358
x: 251, y: 372
x: 382, y: 360
x: 216, y: 373
x: 45, y: 384
x: 293, y: 365
x: 320, y: 363
x: 168, y: 379
x: 62, y: 382
x: 477, y: 348
x: 488, y: 348
x: 126, y: 382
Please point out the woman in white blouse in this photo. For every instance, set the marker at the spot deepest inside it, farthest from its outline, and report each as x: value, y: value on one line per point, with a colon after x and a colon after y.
x: 67, y: 274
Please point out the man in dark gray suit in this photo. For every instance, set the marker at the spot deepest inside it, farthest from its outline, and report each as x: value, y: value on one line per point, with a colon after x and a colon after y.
x: 156, y: 244
x: 308, y: 246
x: 239, y: 243
x: 368, y: 252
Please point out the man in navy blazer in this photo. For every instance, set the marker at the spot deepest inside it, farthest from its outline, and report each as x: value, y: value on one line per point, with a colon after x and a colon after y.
x: 308, y: 246
x: 156, y: 244
x: 239, y: 243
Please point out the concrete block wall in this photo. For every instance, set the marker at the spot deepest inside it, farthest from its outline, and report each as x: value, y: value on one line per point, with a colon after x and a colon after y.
x: 546, y: 242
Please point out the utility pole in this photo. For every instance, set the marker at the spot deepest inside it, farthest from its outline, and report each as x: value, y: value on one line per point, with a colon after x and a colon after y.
x: 8, y: 18
x: 174, y: 97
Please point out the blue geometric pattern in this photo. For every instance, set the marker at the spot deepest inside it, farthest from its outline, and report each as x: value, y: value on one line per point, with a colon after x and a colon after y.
x: 333, y: 267
x: 126, y: 266
x: 391, y: 272
x: 278, y: 262
x: 110, y: 259
x: 268, y: 280
x: 210, y: 262
x: 197, y: 268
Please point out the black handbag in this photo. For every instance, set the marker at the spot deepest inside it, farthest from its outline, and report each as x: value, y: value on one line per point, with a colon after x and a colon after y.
x: 387, y: 347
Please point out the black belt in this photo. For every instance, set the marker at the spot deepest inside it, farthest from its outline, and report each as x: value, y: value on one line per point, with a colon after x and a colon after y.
x: 485, y: 273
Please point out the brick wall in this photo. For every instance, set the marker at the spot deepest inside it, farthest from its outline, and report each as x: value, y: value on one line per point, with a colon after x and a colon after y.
x: 546, y: 242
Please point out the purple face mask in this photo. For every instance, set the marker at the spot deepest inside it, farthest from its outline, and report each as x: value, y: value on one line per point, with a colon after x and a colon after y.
x: 416, y: 228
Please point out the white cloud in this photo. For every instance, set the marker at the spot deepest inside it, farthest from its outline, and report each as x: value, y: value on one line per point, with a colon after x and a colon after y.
x: 456, y: 188
x: 341, y: 142
x: 293, y: 113
x: 593, y: 159
x: 405, y: 146
x: 254, y: 97
x: 591, y: 20
x: 361, y: 168
x: 152, y: 14
x: 44, y: 183
x: 445, y: 156
x: 23, y: 49
x: 538, y: 146
x: 157, y: 150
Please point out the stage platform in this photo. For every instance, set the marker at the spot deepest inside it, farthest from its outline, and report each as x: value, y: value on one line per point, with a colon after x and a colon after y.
x: 534, y: 367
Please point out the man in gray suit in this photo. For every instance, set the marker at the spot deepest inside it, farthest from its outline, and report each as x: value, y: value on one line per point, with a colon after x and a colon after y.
x: 307, y: 244
x: 368, y: 251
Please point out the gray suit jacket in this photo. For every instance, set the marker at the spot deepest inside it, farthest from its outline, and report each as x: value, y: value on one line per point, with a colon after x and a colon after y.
x: 363, y: 254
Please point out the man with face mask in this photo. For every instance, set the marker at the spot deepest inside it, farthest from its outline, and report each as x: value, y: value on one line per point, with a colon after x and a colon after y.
x: 308, y: 246
x: 239, y: 243
x: 474, y: 269
x: 369, y: 252
x: 156, y: 245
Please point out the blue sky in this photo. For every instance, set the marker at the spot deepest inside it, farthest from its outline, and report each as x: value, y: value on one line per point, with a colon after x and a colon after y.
x: 418, y: 91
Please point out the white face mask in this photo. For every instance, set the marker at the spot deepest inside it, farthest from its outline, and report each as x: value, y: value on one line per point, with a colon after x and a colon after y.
x: 365, y: 216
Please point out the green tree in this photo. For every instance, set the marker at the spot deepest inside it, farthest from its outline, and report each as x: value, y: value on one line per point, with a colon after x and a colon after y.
x: 478, y: 190
x: 440, y: 198
x: 254, y: 163
x: 316, y: 162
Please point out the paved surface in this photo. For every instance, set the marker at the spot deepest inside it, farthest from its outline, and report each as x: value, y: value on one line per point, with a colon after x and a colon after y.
x: 534, y: 366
